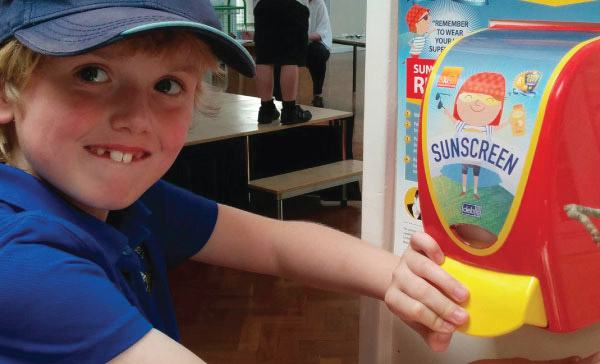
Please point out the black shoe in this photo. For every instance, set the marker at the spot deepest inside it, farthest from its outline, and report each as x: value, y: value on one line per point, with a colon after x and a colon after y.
x: 318, y: 101
x: 266, y: 114
x: 295, y: 115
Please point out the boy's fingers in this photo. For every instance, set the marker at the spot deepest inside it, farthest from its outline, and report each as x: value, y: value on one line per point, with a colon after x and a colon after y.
x: 424, y: 243
x: 423, y: 267
x: 409, y: 309
x: 421, y: 290
x: 437, y: 341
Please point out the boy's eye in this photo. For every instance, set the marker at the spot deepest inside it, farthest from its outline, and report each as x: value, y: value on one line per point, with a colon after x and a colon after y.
x: 93, y: 74
x: 168, y: 86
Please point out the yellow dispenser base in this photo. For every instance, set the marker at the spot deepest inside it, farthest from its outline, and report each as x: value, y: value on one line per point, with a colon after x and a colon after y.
x: 499, y: 302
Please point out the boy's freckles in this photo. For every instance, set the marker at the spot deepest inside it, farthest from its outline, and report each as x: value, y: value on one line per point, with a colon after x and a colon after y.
x: 102, y: 144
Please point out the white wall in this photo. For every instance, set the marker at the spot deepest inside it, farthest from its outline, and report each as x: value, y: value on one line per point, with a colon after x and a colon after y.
x: 347, y: 17
x: 379, y: 166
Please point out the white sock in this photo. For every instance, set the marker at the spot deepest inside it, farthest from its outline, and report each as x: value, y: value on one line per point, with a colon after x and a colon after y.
x: 464, y: 188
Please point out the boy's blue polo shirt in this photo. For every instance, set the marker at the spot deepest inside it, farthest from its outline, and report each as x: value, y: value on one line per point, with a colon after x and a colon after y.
x: 74, y: 289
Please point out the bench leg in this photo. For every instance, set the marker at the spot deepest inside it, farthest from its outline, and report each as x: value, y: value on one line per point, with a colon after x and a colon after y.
x: 344, y: 201
x: 279, y: 208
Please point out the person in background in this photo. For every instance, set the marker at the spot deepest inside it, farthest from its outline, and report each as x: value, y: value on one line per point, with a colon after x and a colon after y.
x: 319, y: 47
x: 281, y: 37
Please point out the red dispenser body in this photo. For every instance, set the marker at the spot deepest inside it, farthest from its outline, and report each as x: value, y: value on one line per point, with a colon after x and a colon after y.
x: 560, y: 166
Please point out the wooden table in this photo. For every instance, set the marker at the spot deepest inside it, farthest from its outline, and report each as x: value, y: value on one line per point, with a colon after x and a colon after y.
x: 223, y: 151
x: 238, y: 117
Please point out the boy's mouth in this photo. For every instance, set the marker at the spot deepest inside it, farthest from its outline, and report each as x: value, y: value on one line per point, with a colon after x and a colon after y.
x: 118, y: 155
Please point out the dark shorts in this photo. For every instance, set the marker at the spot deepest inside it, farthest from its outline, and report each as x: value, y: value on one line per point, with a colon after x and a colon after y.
x: 476, y: 169
x: 281, y: 32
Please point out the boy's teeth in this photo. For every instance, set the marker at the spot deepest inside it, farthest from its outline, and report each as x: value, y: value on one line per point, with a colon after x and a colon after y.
x: 116, y: 155
x: 127, y: 157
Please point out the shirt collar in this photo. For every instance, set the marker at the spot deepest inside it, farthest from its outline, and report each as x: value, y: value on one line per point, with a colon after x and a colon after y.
x: 27, y: 193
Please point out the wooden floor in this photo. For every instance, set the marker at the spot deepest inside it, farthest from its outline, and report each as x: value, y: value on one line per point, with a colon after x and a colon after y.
x: 228, y: 316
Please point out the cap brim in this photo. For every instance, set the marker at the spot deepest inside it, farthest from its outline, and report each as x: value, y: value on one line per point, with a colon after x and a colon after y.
x: 85, y: 31
x: 498, y: 302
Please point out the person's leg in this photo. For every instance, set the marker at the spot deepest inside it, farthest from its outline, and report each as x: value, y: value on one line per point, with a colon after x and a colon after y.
x: 264, y: 81
x: 291, y: 113
x: 289, y: 82
x: 277, y: 82
x: 264, y: 87
x: 316, y: 61
x: 292, y: 56
x: 265, y: 58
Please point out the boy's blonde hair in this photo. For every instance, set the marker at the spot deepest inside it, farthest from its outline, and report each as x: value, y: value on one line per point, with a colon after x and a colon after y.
x: 18, y: 63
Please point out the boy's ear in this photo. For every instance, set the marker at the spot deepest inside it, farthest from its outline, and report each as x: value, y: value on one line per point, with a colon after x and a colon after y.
x: 6, y: 110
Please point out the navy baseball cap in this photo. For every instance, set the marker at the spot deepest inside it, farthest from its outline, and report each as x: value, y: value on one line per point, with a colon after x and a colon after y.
x: 71, y: 27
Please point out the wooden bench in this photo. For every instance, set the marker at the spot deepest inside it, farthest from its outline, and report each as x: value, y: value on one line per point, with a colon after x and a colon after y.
x: 309, y: 180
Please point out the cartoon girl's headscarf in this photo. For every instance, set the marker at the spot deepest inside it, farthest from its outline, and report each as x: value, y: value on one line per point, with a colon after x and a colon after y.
x: 413, y: 15
x: 486, y: 83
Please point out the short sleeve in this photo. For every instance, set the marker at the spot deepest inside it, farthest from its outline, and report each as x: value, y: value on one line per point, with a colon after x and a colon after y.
x: 182, y: 221
x: 60, y: 308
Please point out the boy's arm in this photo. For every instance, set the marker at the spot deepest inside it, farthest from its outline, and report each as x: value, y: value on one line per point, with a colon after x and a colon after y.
x: 328, y: 259
x: 156, y: 348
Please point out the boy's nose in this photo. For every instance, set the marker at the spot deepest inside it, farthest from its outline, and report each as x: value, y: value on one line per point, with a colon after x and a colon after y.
x: 133, y: 113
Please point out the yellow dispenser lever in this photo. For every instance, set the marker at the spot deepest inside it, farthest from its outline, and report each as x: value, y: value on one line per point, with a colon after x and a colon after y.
x: 499, y: 302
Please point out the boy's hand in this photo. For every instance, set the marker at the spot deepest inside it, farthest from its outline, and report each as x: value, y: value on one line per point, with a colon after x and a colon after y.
x: 424, y: 295
x: 592, y: 359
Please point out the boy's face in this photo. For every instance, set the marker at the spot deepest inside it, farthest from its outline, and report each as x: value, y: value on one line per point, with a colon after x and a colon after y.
x: 104, y: 126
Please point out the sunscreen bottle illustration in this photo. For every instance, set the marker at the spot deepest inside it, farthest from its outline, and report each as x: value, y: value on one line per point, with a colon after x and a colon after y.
x: 517, y: 120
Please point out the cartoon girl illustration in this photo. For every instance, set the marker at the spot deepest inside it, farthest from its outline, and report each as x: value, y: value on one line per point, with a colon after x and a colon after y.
x: 477, y: 112
x: 418, y: 20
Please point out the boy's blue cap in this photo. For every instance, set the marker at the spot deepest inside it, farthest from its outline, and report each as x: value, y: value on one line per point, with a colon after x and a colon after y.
x: 71, y: 27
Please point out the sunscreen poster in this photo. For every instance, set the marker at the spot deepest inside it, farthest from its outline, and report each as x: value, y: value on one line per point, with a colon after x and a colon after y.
x: 426, y: 28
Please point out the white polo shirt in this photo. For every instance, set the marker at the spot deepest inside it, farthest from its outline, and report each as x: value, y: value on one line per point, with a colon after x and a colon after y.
x: 318, y: 22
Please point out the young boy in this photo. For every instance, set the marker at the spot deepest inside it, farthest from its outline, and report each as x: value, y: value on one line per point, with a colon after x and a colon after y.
x: 96, y: 99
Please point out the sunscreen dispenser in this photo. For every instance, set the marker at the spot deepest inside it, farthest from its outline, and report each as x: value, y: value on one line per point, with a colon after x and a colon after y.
x: 509, y: 174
